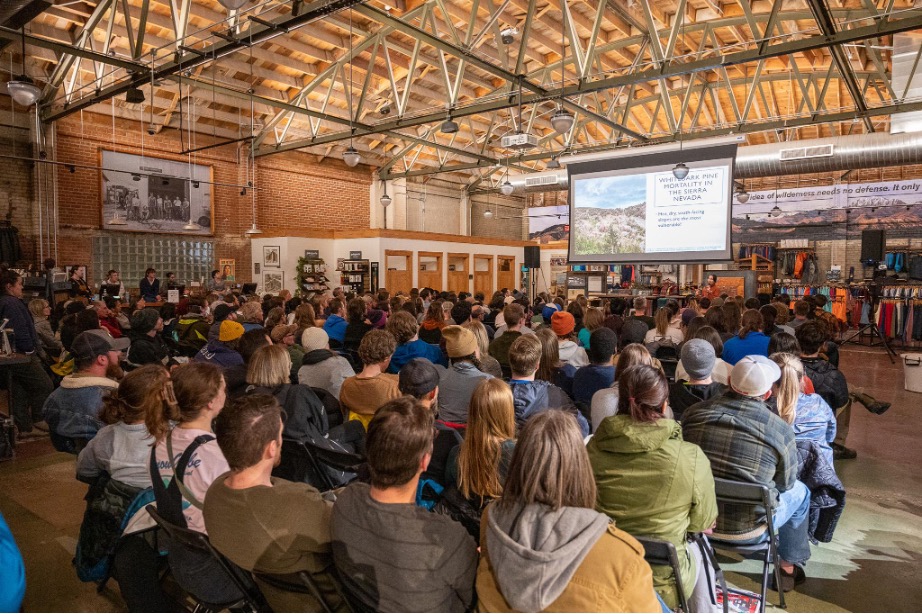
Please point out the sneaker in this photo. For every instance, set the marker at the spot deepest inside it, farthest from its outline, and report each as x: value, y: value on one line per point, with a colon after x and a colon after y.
x: 789, y: 580
x: 840, y: 452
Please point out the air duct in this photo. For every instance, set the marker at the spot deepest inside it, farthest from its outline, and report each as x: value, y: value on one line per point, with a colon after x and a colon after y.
x: 877, y: 150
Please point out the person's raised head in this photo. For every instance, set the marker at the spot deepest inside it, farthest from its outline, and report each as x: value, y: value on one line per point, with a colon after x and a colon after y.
x: 231, y: 331
x: 402, y: 326
x: 399, y: 442
x: 769, y: 315
x: 37, y: 308
x: 88, y: 319
x: 315, y: 338
x: 377, y: 347
x: 575, y: 309
x: 460, y: 343
x: 753, y: 376
x: 661, y: 319
x: 603, y: 343
x: 811, y: 336
x: 704, y: 304
x: 819, y: 300
x: 593, y: 318
x: 461, y: 312
x: 563, y: 324
x: 514, y: 315
x: 96, y: 351
x: 419, y: 378
x: 785, y: 343
x: 698, y: 357
x: 524, y: 356
x: 731, y: 317
x: 789, y: 386
x: 337, y: 307
x: 640, y: 304
x: 269, y: 366
x: 550, y: 355
x: 199, y: 387
x: 715, y: 319
x: 694, y: 324
x: 617, y: 306
x: 752, y: 303
x: 145, y: 391
x: 490, y: 422
x: 249, y: 431
x: 633, y: 331
x: 251, y: 312
x: 355, y: 311
x: 632, y: 354
x: 801, y: 309
x: 642, y: 393
x: 283, y: 334
x: 550, y: 465
x: 480, y: 333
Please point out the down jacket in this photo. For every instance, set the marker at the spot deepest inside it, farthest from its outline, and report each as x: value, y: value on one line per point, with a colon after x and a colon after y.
x: 532, y: 397
x: 828, y: 381
x: 827, y: 494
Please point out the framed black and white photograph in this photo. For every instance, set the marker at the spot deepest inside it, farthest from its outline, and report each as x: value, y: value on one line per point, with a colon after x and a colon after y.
x: 272, y: 256
x: 145, y: 194
x: 273, y: 282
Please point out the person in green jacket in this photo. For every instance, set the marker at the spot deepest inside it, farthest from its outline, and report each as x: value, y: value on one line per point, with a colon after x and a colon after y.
x: 653, y: 484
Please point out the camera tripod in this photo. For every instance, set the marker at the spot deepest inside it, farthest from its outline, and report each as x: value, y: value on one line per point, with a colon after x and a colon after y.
x: 871, y: 328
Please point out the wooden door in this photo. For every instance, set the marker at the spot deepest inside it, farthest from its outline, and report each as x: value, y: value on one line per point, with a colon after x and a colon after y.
x: 459, y: 266
x: 505, y: 272
x: 399, y: 274
x: 430, y: 270
x: 483, y: 274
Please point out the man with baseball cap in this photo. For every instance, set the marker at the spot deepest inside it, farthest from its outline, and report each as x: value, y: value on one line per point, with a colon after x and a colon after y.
x: 698, y: 359
x: 71, y: 410
x: 746, y: 442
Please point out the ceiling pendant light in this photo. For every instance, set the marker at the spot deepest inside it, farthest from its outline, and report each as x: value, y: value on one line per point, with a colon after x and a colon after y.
x: 742, y: 196
x: 253, y: 230
x: 680, y: 171
x: 351, y: 156
x: 562, y: 120
x: 554, y: 164
x: 22, y: 89
x: 776, y: 211
x: 507, y: 188
x: 449, y: 126
x: 232, y: 5
x: 385, y: 200
x: 488, y: 214
x: 134, y: 95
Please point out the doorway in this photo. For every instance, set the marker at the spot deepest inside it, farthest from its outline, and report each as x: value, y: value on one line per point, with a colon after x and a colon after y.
x: 399, y: 274
x: 505, y: 272
x: 430, y: 270
x: 458, y: 271
x: 483, y: 274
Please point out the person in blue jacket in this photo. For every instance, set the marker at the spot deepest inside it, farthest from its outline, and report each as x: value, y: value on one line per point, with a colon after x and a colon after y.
x: 750, y: 341
x: 405, y: 329
x: 335, y: 324
x: 13, y: 574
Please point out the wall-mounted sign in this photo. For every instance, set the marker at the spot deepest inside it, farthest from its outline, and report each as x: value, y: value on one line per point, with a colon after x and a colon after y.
x: 576, y: 281
x: 312, y: 254
x: 355, y: 255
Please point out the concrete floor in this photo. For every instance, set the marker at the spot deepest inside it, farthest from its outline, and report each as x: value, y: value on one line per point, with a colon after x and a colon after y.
x: 873, y: 564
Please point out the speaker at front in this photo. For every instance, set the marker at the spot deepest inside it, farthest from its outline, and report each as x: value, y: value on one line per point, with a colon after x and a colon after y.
x: 872, y: 245
x: 532, y: 257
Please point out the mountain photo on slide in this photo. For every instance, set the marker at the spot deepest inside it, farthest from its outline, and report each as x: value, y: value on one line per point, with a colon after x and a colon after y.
x: 609, y: 215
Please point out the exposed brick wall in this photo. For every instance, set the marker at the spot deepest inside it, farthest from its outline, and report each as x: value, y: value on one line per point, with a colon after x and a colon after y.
x: 17, y: 189
x: 297, y: 191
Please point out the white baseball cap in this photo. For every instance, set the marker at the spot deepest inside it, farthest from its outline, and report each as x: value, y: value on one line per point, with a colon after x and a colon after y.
x: 753, y: 375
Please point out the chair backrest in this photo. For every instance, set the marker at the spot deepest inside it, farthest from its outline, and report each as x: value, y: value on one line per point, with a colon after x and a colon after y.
x: 330, y: 402
x: 746, y: 493
x: 299, y: 465
x: 198, y: 542
x: 661, y: 552
x: 299, y: 582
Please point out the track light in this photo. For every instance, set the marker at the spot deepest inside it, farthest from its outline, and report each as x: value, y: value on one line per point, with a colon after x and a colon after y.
x: 507, y: 188
x: 135, y: 177
x: 742, y: 196
x: 449, y: 126
x: 134, y: 95
x: 562, y: 121
x: 351, y: 156
x: 680, y: 171
x: 554, y: 164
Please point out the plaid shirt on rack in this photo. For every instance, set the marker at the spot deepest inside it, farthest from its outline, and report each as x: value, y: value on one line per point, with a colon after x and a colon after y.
x: 745, y: 442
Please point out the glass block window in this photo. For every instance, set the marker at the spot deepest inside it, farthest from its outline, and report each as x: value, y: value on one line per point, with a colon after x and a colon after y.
x: 191, y: 259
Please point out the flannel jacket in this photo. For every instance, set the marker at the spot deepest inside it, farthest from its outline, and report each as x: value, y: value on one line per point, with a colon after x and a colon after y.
x: 744, y: 442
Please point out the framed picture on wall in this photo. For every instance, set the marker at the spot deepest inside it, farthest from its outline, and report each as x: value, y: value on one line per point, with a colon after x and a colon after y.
x: 273, y: 282
x: 228, y: 268
x: 272, y: 256
x: 145, y: 194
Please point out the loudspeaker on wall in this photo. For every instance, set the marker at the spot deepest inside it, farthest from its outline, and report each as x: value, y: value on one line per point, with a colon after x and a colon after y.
x: 532, y: 257
x: 872, y: 245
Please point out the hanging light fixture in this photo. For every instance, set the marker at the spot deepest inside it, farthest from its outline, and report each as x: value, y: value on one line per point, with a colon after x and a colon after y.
x: 562, y: 120
x: 385, y: 199
x: 232, y: 5
x: 351, y: 156
x: 507, y: 188
x: 742, y: 196
x: 680, y: 171
x: 776, y: 211
x: 449, y: 126
x: 554, y: 164
x: 22, y: 89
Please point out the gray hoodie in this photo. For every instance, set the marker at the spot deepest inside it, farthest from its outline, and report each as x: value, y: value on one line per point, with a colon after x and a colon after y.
x: 534, y: 550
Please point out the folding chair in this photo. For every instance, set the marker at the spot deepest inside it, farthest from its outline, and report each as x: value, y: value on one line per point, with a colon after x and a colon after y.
x: 251, y: 598
x: 299, y: 465
x: 300, y: 582
x: 333, y: 459
x: 730, y: 492
x: 661, y: 552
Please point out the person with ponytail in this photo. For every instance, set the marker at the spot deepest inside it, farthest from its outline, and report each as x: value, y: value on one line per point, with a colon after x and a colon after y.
x: 652, y: 483
x: 810, y: 416
x: 750, y: 341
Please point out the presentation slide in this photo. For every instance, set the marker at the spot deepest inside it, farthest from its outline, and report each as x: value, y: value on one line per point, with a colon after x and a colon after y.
x: 644, y: 214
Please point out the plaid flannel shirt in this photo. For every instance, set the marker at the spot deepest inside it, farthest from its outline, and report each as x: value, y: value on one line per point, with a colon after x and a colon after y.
x: 744, y: 442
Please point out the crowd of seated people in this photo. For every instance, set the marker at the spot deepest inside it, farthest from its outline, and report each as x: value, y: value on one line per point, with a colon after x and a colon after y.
x: 505, y: 450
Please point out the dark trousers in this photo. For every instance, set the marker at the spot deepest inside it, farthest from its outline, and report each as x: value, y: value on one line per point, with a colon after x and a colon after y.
x: 136, y: 566
x: 31, y: 386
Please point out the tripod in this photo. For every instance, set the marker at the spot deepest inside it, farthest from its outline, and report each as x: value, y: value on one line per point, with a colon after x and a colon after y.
x: 877, y: 336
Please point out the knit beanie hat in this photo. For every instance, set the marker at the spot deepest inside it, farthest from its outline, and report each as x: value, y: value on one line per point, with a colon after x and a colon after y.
x: 562, y: 323
x: 281, y: 331
x: 698, y: 358
x: 376, y: 317
x: 459, y: 341
x: 314, y: 338
x: 688, y: 315
x: 230, y: 330
x: 144, y: 320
